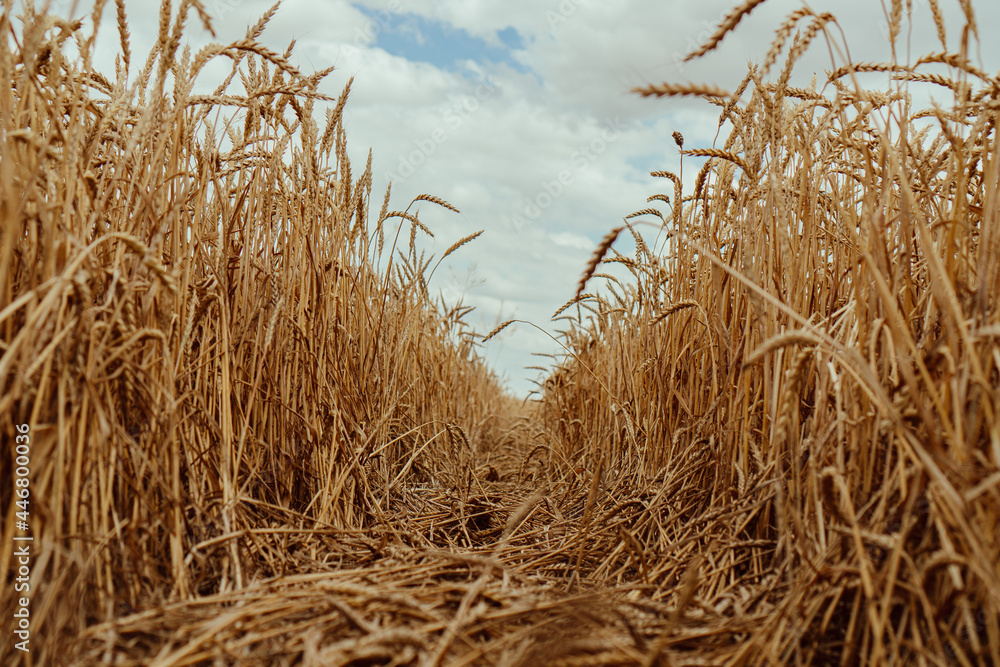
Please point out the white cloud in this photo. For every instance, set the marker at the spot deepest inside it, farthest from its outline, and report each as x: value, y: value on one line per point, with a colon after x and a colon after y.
x: 509, y: 146
x: 570, y: 240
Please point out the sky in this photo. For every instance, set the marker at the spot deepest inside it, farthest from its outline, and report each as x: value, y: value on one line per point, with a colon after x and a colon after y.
x: 519, y: 113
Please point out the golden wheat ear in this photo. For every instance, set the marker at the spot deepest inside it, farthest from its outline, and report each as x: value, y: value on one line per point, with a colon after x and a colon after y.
x: 596, y: 258
x: 497, y: 330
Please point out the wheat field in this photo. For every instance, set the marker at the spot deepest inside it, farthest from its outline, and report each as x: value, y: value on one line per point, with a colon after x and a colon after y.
x: 250, y: 433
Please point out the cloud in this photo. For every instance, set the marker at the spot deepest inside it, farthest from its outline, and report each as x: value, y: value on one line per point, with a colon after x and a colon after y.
x: 570, y: 240
x: 559, y: 74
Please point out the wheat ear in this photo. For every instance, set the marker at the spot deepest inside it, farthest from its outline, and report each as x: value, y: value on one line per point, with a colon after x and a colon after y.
x: 596, y: 258
x: 728, y: 24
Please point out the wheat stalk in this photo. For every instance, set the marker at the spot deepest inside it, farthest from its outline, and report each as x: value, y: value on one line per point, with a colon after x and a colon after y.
x: 436, y: 200
x: 729, y: 23
x: 681, y: 90
x: 720, y: 154
x: 595, y: 258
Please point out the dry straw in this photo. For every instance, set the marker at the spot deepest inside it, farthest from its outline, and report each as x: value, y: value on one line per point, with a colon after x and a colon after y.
x: 826, y: 395
x: 257, y: 437
x: 207, y: 355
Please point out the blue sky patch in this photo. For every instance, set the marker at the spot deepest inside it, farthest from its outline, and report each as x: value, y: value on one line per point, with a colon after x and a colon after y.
x: 419, y: 39
x: 511, y: 38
